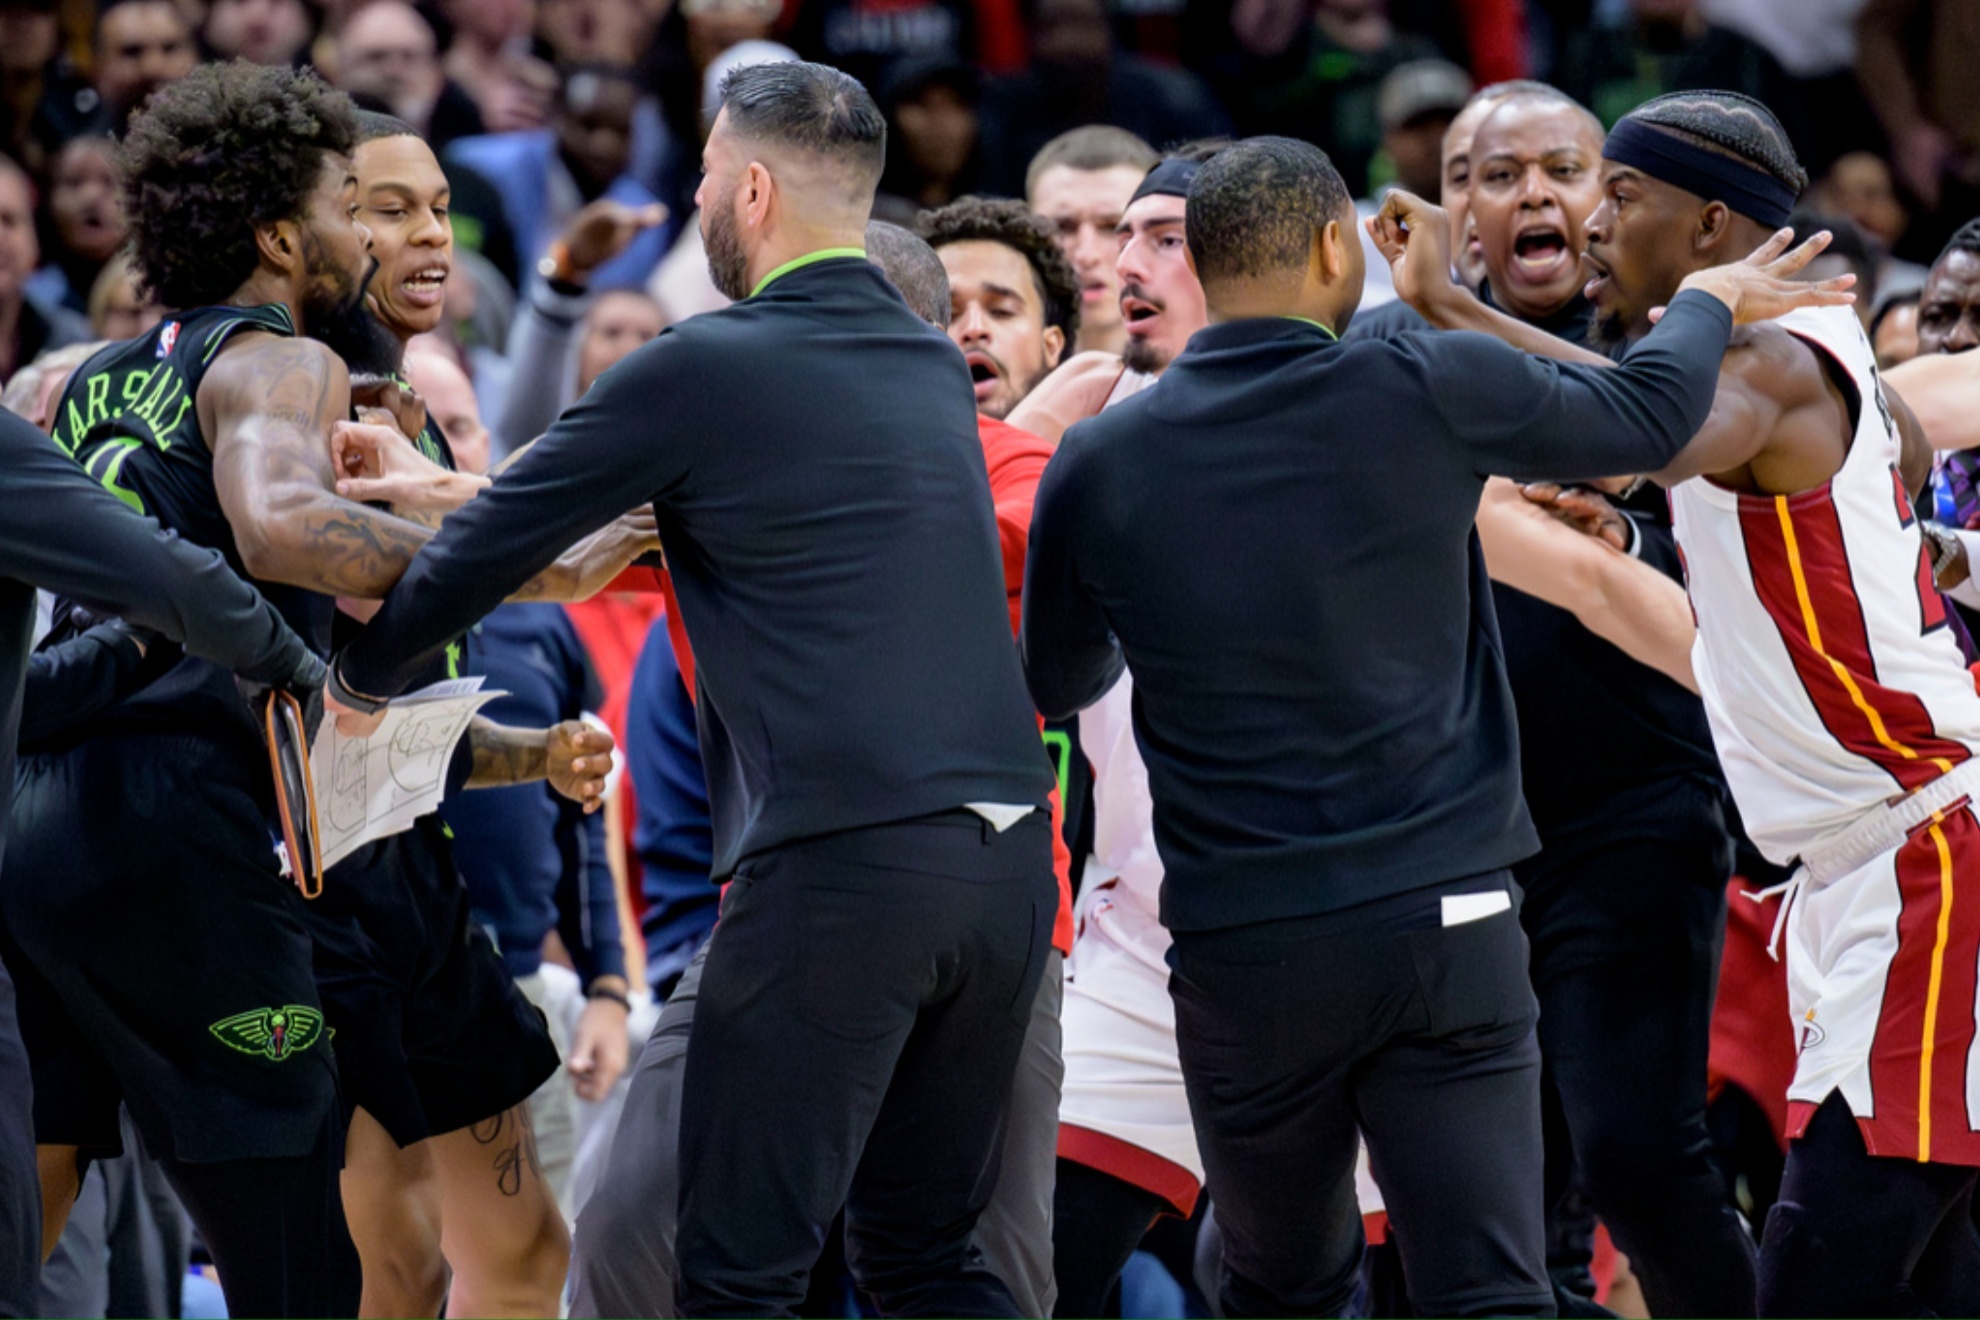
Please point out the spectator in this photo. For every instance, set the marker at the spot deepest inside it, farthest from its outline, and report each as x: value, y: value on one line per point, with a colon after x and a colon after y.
x: 118, y: 307
x: 387, y: 53
x: 34, y: 81
x: 1859, y: 185
x: 1077, y: 77
x: 867, y: 39
x: 1418, y: 102
x: 1670, y: 46
x: 1848, y: 253
x: 489, y: 57
x: 1915, y: 61
x: 1894, y: 330
x: 593, y: 31
x: 543, y: 177
x: 1081, y: 182
x: 26, y: 326
x: 138, y: 47
x: 271, y: 32
x: 932, y: 132
x: 562, y: 359
x: 85, y: 223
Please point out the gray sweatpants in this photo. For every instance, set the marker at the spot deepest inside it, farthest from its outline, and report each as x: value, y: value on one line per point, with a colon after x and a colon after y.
x: 622, y: 1255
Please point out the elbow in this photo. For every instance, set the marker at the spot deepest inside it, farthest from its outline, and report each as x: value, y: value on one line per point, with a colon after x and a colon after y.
x: 264, y: 552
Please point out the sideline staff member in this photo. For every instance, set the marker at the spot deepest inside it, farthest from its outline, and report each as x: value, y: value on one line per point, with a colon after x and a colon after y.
x: 59, y: 529
x: 1330, y: 742
x: 875, y: 775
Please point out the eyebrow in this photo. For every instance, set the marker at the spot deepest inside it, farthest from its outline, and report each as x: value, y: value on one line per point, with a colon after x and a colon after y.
x: 1159, y: 222
x: 993, y: 290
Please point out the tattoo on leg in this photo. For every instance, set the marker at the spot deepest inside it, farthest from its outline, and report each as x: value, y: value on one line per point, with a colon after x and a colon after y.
x: 515, y: 1159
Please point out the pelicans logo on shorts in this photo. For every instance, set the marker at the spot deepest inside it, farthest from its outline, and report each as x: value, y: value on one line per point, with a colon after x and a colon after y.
x: 273, y: 1033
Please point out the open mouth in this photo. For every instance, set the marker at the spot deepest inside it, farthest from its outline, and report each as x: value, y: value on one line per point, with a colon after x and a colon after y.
x: 426, y: 287
x: 1541, y: 254
x: 1137, y: 313
x: 1598, y: 278
x: 983, y: 375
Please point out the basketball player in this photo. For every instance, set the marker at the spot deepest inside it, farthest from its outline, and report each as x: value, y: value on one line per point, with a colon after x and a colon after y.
x: 1844, y: 718
x: 1014, y: 299
x: 438, y: 1049
x: 196, y: 1005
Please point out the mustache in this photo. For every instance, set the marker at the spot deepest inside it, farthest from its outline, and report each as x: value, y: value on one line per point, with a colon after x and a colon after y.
x: 1140, y: 294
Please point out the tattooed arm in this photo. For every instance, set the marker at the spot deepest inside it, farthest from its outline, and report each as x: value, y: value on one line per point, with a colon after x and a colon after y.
x: 573, y: 756
x: 267, y: 407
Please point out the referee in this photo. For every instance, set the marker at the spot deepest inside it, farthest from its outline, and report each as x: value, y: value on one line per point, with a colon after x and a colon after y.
x: 1323, y: 709
x: 878, y: 789
x: 59, y: 529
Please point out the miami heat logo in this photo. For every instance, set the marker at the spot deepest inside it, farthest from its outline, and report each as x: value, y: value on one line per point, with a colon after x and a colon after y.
x: 168, y: 335
x: 273, y: 1033
x: 1811, y: 1035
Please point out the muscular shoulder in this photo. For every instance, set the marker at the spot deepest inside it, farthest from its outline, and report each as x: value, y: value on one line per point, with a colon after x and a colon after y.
x: 279, y: 375
x: 1768, y: 362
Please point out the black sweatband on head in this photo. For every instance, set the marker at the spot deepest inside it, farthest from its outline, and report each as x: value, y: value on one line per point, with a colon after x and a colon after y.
x: 1170, y: 178
x: 1747, y: 189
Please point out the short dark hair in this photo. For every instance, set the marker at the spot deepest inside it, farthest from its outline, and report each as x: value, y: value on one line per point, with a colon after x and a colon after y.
x: 1090, y: 147
x: 912, y: 267
x: 227, y: 147
x: 809, y: 107
x: 1965, y: 239
x: 374, y: 125
x: 1254, y: 207
x: 1737, y: 125
x: 1010, y: 222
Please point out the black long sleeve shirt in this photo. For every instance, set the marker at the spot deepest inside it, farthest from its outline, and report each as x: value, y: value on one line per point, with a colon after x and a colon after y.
x: 60, y: 530
x: 812, y: 456
x: 1320, y: 693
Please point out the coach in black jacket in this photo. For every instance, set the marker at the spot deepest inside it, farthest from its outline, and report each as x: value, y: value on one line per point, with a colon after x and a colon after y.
x: 1322, y: 703
x: 875, y: 775
x: 60, y: 530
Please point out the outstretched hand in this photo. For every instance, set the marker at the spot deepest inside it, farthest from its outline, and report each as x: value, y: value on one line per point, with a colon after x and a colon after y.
x: 1764, y: 286
x: 1415, y: 238
x: 604, y: 229
x: 1584, y: 510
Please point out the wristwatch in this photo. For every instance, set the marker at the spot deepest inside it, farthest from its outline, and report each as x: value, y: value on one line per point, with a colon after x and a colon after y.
x: 556, y: 266
x: 1942, y: 544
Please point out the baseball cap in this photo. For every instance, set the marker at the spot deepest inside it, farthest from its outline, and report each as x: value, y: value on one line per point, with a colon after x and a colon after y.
x: 1421, y: 87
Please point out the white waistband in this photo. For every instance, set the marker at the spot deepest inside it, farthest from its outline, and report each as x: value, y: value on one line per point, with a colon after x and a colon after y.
x: 1879, y: 831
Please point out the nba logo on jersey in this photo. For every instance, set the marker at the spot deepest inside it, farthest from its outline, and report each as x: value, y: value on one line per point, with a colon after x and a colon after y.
x: 168, y: 335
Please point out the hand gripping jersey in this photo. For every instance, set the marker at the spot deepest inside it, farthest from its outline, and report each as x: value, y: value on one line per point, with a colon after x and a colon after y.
x: 128, y: 415
x: 1828, y: 673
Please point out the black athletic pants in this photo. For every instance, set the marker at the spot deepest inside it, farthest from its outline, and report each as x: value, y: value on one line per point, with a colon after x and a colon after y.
x: 20, y: 1185
x: 1858, y: 1234
x: 1097, y: 1222
x: 855, y: 1042
x: 1626, y: 941
x: 1295, y: 1033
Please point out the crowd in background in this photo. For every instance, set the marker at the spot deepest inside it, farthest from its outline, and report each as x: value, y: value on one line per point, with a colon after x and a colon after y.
x: 561, y: 122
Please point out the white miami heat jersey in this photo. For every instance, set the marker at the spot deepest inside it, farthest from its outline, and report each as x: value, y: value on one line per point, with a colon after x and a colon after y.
x: 1831, y: 679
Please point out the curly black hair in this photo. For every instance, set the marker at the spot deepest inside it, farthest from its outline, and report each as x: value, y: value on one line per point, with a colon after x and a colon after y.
x: 988, y: 220
x: 227, y: 147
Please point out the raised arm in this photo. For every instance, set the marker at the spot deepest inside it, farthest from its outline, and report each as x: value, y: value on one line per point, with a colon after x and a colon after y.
x: 62, y: 531
x: 267, y: 407
x: 1620, y: 599
x: 1941, y: 389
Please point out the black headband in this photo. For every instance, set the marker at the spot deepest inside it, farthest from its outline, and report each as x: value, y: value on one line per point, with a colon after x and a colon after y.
x: 1170, y: 178
x: 1747, y: 189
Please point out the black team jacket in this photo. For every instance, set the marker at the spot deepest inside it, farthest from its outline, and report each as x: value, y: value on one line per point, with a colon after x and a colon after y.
x: 813, y: 458
x: 1278, y: 539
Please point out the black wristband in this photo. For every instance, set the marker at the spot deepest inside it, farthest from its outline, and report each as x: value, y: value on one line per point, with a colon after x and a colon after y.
x: 607, y: 992
x: 334, y: 687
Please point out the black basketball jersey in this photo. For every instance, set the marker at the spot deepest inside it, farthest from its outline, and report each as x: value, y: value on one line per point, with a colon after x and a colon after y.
x: 128, y: 415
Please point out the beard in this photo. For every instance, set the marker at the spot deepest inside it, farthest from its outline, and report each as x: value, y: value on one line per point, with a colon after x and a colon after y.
x: 1608, y: 335
x: 335, y: 315
x: 728, y: 264
x: 1143, y: 356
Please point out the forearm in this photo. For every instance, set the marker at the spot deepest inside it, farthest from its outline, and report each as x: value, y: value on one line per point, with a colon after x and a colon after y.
x: 1941, y: 388
x: 588, y: 900
x: 585, y: 569
x: 1454, y: 307
x: 304, y: 536
x: 505, y: 756
x: 544, y: 335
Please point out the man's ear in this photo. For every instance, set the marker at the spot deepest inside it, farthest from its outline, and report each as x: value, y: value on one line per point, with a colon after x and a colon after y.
x: 1714, y: 224
x: 1055, y: 346
x: 1327, y: 260
x: 279, y: 244
x: 758, y: 188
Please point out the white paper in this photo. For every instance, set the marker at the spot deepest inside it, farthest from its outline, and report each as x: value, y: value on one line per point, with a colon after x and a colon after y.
x: 368, y: 788
x: 1463, y: 909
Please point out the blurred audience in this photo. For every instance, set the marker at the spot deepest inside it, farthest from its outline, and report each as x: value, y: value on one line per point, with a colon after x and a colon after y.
x: 387, y: 55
